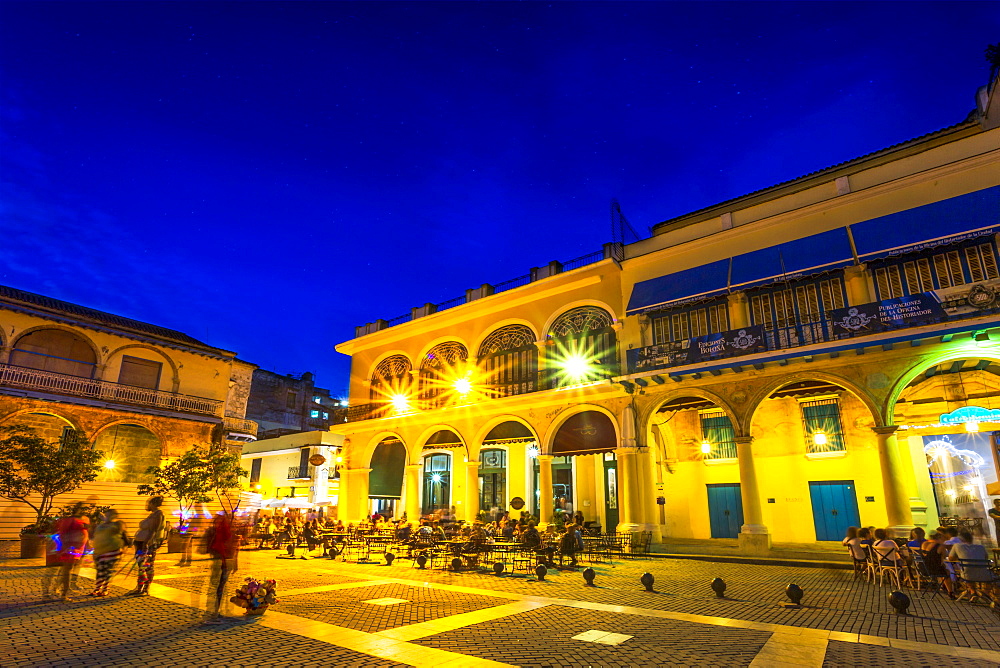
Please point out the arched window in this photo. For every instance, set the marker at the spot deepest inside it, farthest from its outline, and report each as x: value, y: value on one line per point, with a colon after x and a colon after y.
x: 582, y: 346
x: 55, y: 350
x: 508, y: 360
x: 439, y: 369
x: 391, y: 377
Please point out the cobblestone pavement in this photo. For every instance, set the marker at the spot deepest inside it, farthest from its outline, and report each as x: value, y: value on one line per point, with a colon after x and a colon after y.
x: 468, y: 619
x: 544, y: 637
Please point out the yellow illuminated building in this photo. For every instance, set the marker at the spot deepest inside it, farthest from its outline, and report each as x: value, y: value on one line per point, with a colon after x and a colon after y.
x: 819, y: 354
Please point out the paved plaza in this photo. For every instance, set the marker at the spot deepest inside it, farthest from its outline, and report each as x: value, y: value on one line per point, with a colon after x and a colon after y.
x: 333, y: 613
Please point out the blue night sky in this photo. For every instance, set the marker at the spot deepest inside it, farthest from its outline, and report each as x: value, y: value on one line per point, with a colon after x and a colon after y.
x: 266, y: 176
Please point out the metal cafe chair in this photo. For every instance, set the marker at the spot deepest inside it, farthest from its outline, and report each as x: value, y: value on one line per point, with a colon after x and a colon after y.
x: 975, y: 575
x: 924, y: 576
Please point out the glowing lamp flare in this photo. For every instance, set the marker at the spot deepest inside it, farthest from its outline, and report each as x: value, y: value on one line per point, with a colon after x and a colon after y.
x: 819, y: 438
x: 706, y: 447
x: 436, y: 477
x: 576, y: 366
x: 971, y: 427
x: 463, y: 386
x: 400, y: 402
x: 110, y: 464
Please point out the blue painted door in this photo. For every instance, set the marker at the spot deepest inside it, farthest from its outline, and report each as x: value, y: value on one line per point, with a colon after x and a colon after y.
x: 835, y: 507
x: 725, y: 510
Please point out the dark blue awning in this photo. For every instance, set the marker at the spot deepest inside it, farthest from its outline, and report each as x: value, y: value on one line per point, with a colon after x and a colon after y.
x: 820, y: 252
x: 811, y: 255
x: 694, y: 283
x: 947, y: 221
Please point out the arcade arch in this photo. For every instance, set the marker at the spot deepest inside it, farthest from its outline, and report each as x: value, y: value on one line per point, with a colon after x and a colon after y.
x: 57, y: 350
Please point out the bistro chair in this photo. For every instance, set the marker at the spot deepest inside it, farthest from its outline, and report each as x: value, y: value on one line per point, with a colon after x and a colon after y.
x: 888, y: 565
x: 924, y: 576
x: 975, y: 577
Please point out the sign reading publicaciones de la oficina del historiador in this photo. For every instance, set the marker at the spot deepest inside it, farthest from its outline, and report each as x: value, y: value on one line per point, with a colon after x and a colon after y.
x: 901, y: 311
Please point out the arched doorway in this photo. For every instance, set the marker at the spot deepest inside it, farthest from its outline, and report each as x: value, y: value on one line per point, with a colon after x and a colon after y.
x: 584, y: 469
x: 132, y: 448
x: 817, y: 462
x: 385, y: 480
x: 508, y: 361
x: 694, y: 443
x: 441, y: 371
x: 55, y: 350
x: 949, y: 424
x: 436, y: 487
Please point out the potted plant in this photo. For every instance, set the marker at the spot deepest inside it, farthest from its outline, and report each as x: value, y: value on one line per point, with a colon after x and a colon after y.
x: 34, y: 472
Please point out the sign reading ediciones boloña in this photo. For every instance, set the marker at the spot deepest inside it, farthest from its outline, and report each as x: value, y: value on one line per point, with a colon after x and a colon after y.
x: 698, y: 349
x: 889, y: 313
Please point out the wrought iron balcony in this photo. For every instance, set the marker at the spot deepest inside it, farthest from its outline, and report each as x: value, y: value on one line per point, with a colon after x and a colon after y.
x: 299, y: 472
x: 239, y: 425
x: 102, y: 390
x: 844, y: 325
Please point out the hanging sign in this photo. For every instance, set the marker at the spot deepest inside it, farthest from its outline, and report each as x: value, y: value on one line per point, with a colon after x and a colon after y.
x: 889, y: 313
x: 742, y: 341
x: 970, y: 414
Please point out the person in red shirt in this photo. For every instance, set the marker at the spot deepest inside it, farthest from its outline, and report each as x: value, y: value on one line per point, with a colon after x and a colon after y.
x: 222, y: 545
x: 71, y: 536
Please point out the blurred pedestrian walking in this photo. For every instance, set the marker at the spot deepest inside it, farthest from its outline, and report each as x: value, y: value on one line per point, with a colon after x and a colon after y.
x: 110, y: 538
x: 222, y: 544
x: 71, y: 540
x: 148, y: 538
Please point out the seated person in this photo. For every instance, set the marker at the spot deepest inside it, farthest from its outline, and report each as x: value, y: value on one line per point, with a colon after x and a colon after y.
x: 508, y: 530
x: 570, y: 543
x: 404, y: 533
x: 935, y: 553
x: 979, y: 579
x: 917, y: 538
x: 865, y: 536
x: 886, y: 548
x: 853, y: 543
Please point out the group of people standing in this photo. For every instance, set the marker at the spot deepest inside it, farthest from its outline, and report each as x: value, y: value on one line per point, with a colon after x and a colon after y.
x: 74, y: 536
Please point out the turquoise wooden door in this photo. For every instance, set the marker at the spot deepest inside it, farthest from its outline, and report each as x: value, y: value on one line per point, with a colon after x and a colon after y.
x: 725, y: 510
x: 835, y: 507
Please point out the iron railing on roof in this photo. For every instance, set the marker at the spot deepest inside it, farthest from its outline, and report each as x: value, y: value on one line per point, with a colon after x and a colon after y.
x: 612, y: 250
x: 102, y: 390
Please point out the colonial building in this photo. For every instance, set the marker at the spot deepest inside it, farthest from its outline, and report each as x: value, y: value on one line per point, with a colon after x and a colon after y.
x: 140, y: 393
x: 288, y: 404
x: 818, y: 354
x: 295, y: 470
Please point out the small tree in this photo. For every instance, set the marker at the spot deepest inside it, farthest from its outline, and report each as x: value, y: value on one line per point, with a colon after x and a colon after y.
x: 224, y: 475
x: 34, y: 471
x: 195, y: 476
x: 186, y: 480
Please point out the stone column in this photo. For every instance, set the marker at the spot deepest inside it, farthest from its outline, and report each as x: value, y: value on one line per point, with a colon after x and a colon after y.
x: 584, y: 488
x: 857, y: 280
x: 739, y: 316
x: 471, y: 490
x: 321, y: 477
x: 412, y: 493
x: 754, y: 538
x: 357, y: 493
x: 540, y: 364
x: 897, y: 503
x: 628, y: 490
x: 545, y: 504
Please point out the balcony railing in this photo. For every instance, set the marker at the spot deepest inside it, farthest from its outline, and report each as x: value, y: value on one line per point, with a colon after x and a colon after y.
x: 542, y: 380
x: 298, y: 472
x: 239, y: 425
x: 845, y: 324
x: 102, y: 390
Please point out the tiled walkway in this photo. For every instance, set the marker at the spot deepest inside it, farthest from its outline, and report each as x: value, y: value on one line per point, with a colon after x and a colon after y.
x: 344, y: 614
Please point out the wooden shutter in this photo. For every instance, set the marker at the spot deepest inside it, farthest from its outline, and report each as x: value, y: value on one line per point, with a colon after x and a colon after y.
x: 138, y: 372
